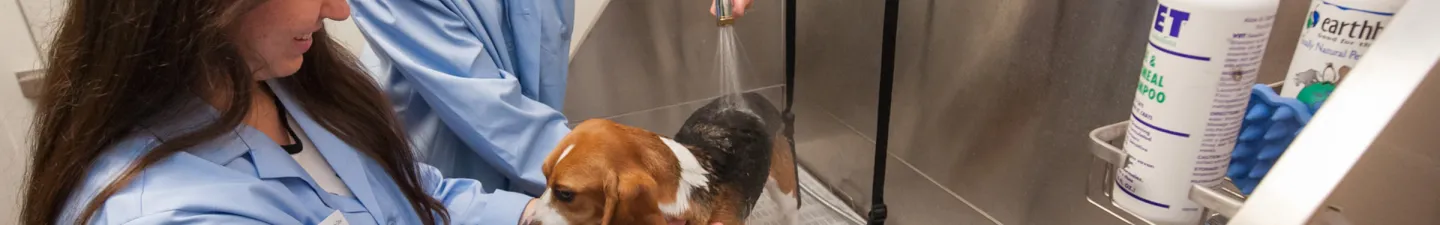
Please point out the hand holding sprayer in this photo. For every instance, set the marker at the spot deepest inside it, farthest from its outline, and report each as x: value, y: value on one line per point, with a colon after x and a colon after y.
x: 726, y: 11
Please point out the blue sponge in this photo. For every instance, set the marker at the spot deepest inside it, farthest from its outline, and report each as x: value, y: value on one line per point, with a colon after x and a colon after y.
x: 1271, y: 122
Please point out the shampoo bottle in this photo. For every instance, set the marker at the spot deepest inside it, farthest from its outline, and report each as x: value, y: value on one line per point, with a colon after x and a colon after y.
x: 1195, y: 78
x: 1335, y: 35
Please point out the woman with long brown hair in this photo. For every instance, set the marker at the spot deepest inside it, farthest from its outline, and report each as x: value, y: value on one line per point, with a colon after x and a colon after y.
x: 228, y: 112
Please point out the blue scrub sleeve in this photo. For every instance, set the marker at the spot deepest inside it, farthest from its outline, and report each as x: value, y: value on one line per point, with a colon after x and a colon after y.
x: 177, y: 217
x: 431, y: 43
x: 469, y: 204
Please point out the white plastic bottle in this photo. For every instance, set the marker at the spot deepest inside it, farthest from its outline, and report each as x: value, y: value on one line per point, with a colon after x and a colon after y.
x: 1201, y: 59
x: 1336, y: 34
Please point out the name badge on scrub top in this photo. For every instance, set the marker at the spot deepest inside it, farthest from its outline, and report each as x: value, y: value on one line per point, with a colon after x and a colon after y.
x: 335, y: 218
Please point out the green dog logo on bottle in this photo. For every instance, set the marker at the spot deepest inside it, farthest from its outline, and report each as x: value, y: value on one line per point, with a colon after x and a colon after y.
x: 1319, y: 84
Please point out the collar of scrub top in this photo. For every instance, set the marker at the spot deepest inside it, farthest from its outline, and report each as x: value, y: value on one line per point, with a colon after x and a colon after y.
x: 270, y: 160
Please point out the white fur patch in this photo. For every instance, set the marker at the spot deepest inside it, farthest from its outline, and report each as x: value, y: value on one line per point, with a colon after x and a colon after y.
x: 775, y: 206
x: 692, y: 176
x: 545, y: 214
x: 565, y: 152
x: 789, y: 206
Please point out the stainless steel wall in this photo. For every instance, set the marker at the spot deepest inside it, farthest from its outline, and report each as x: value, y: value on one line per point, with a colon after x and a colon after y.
x: 992, y: 100
x: 650, y: 63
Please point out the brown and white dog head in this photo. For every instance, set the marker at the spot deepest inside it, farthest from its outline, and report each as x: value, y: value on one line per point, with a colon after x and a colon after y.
x: 607, y: 173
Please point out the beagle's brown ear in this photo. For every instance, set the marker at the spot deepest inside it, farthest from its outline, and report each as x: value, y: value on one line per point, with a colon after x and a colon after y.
x: 565, y: 145
x: 587, y: 131
x: 628, y: 200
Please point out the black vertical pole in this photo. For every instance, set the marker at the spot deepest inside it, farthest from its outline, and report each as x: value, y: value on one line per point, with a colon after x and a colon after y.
x: 789, y: 61
x: 878, y: 212
x: 789, y: 116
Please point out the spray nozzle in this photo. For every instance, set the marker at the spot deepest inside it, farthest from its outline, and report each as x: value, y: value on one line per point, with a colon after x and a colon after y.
x: 723, y: 10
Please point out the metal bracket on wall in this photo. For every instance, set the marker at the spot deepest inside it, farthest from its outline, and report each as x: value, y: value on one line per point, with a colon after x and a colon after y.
x: 32, y: 82
x: 1221, y: 203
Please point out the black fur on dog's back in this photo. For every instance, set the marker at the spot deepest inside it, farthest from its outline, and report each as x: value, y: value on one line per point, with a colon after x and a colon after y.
x: 736, y: 143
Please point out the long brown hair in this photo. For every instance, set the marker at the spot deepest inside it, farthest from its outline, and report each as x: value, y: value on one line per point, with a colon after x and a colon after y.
x: 114, y: 64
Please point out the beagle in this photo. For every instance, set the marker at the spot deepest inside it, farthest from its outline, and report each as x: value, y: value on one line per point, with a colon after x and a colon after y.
x: 727, y: 155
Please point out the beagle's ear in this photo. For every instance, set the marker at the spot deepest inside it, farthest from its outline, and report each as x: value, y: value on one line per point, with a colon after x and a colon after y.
x: 628, y: 200
x: 564, y: 147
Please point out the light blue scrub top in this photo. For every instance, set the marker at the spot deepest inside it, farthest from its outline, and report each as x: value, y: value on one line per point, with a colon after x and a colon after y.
x: 478, y: 83
x: 245, y: 178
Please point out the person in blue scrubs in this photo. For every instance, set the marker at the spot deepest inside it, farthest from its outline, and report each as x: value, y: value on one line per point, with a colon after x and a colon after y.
x: 246, y: 112
x: 232, y: 112
x: 478, y: 84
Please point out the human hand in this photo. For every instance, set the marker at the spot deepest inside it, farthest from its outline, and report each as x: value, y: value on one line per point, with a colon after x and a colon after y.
x: 738, y: 7
x: 527, y: 216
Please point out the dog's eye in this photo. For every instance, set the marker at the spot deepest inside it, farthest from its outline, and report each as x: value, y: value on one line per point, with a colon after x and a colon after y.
x: 565, y: 195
